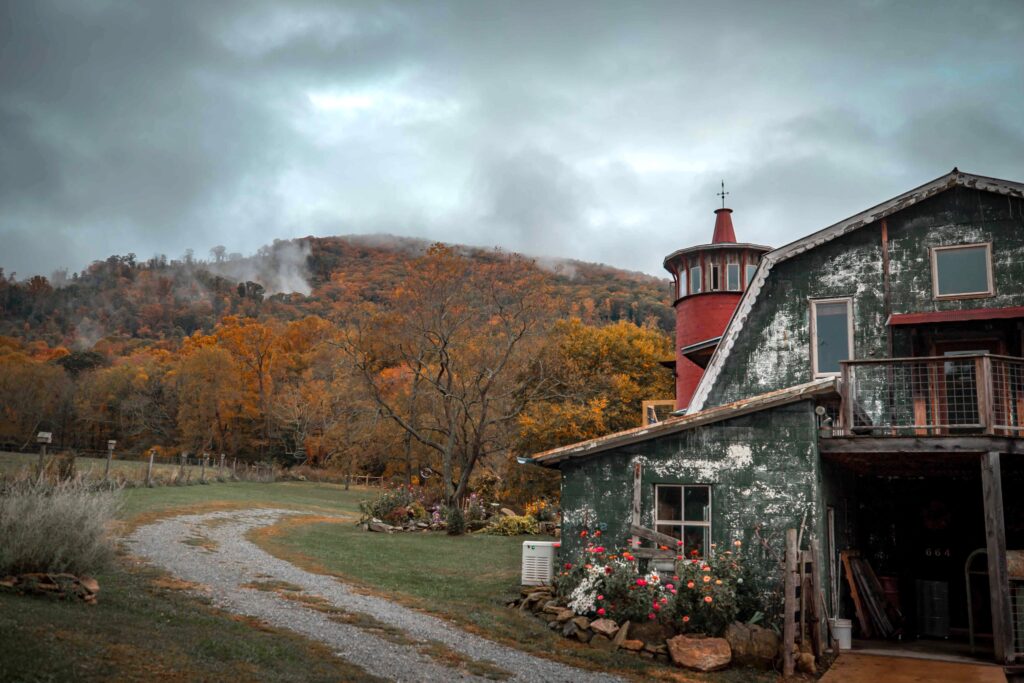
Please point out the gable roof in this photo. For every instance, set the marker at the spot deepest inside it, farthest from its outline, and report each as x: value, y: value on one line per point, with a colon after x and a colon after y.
x: 954, y: 178
x: 772, y: 399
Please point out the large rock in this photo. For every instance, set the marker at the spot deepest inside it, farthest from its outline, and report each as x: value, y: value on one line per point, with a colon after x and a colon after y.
x: 632, y: 645
x: 564, y: 615
x: 701, y: 654
x: 647, y: 631
x: 582, y: 623
x: 569, y: 630
x: 621, y: 635
x: 605, y: 627
x: 753, y: 645
x: 600, y: 642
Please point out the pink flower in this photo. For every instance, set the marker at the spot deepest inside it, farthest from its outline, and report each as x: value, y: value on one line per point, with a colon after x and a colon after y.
x: 656, y: 607
x: 668, y: 586
x: 600, y: 597
x: 664, y: 600
x: 600, y: 612
x: 641, y: 582
x: 652, y: 616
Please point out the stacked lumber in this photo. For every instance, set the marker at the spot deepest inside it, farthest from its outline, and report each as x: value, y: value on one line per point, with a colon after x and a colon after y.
x: 61, y: 586
x: 876, y: 615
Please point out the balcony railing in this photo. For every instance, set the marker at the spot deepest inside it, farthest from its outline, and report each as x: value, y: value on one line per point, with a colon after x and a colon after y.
x: 933, y: 396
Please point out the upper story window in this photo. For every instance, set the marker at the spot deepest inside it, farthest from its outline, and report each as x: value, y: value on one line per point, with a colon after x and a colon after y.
x: 695, y: 281
x: 732, y: 277
x: 684, y: 512
x: 716, y: 278
x: 831, y: 335
x: 962, y: 271
x: 751, y: 269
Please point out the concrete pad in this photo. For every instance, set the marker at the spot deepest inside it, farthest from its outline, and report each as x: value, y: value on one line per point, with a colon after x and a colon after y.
x: 861, y: 668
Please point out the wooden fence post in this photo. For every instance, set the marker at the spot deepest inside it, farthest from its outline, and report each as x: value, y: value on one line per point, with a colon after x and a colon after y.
x: 816, y: 620
x: 789, y: 623
x: 149, y: 470
x: 202, y: 475
x: 220, y: 470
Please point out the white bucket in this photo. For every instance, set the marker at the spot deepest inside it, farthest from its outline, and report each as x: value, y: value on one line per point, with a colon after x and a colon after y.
x: 843, y: 631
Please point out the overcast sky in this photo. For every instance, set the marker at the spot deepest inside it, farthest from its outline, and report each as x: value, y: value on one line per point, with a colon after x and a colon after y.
x: 588, y: 130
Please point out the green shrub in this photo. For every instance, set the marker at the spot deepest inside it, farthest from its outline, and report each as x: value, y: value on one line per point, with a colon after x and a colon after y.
x: 55, y: 527
x: 512, y: 526
x: 455, y: 521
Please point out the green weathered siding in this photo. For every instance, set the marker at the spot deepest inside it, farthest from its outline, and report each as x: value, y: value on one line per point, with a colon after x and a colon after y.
x: 772, y: 351
x: 763, y: 470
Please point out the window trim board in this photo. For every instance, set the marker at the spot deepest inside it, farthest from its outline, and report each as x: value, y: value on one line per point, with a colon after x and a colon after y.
x: 812, y: 310
x: 933, y: 258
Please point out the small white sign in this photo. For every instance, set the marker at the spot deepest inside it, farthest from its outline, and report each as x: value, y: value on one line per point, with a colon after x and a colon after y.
x: 45, y: 437
x: 110, y: 444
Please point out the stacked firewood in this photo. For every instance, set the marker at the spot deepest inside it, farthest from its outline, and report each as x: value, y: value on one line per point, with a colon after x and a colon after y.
x: 61, y: 586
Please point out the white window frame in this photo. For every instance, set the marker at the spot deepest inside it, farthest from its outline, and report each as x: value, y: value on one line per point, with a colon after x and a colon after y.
x: 696, y: 271
x: 728, y: 269
x: 962, y: 295
x: 814, y: 332
x: 682, y: 509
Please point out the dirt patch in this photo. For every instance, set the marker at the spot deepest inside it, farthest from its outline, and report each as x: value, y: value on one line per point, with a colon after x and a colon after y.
x: 272, y: 585
x: 171, y: 583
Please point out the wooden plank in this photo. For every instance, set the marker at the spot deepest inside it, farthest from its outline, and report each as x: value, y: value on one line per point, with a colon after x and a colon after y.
x: 654, y: 536
x: 995, y: 543
x: 653, y: 554
x: 816, y: 592
x: 865, y: 625
x: 635, y: 516
x: 910, y: 445
x: 803, y: 583
x: 789, y: 622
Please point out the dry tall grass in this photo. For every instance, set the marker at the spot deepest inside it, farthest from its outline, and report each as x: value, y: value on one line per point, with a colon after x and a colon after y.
x: 55, y: 526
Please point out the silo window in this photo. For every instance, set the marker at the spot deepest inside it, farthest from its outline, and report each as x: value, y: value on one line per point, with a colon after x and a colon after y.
x: 695, y: 280
x: 732, y: 273
x: 716, y: 281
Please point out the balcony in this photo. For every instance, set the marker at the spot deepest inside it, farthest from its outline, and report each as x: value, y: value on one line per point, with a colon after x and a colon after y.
x: 939, y: 396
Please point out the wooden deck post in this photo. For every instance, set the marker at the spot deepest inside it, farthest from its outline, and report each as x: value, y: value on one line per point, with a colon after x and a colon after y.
x: 789, y: 623
x: 995, y: 541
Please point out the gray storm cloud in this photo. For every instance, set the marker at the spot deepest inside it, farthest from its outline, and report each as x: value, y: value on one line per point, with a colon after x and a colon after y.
x: 589, y: 130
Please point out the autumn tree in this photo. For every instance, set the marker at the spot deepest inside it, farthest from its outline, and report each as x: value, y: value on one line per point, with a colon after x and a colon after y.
x: 33, y: 393
x: 463, y: 332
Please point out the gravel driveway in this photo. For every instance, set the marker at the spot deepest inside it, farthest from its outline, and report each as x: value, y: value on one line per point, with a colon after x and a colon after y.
x: 211, y: 549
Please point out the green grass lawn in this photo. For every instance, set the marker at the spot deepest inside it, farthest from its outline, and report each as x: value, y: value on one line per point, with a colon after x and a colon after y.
x: 144, y: 628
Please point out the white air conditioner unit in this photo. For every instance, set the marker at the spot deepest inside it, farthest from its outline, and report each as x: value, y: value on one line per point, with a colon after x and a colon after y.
x: 539, y: 562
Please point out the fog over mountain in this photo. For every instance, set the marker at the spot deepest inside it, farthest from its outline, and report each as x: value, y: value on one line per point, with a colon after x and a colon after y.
x: 590, y: 130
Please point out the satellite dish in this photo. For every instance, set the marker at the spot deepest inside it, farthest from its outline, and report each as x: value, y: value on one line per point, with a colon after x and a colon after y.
x: 426, y: 473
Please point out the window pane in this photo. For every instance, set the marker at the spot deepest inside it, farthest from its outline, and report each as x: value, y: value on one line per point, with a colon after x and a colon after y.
x: 673, y: 530
x: 715, y: 286
x: 750, y: 273
x: 734, y: 276
x: 670, y: 503
x: 695, y: 538
x: 697, y: 507
x: 962, y: 271
x: 832, y: 330
x: 694, y: 279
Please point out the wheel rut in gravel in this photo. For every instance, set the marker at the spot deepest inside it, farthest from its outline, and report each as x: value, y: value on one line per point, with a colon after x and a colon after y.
x: 386, y: 639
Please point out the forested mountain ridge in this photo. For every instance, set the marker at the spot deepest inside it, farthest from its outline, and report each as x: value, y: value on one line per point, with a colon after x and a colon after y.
x: 166, y: 300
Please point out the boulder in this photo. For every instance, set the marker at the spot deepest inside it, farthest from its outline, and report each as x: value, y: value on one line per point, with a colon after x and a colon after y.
x: 569, y: 629
x: 647, y: 631
x: 582, y: 623
x: 632, y: 645
x: 584, y: 636
x: 805, y: 663
x: 753, y: 645
x: 600, y: 642
x: 552, y: 607
x: 700, y: 654
x: 621, y: 635
x: 565, y: 615
x: 508, y: 513
x: 605, y: 627
x: 379, y: 526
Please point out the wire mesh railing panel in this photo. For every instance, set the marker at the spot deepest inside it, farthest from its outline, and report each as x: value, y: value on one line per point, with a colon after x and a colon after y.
x: 936, y: 396
x: 1007, y: 395
x: 1017, y: 616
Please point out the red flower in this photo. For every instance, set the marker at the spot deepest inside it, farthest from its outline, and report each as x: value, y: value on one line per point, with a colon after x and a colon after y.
x: 656, y: 607
x: 600, y: 612
x: 652, y: 616
x: 641, y: 582
x: 686, y: 619
x: 568, y: 565
x: 600, y: 597
x: 597, y: 533
x: 583, y: 534
x: 679, y: 542
x: 607, y: 570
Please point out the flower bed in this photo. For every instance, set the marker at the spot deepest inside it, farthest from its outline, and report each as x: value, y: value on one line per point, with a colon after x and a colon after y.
x: 608, y: 601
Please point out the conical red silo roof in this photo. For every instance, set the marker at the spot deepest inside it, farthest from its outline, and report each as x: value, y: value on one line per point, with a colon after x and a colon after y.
x: 723, y: 227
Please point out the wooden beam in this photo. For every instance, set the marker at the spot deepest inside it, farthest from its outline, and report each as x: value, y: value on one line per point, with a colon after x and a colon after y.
x: 790, y: 606
x: 858, y: 606
x: 995, y: 542
x: 814, y: 601
x: 653, y: 554
x: 911, y: 444
x: 654, y: 536
x: 635, y: 516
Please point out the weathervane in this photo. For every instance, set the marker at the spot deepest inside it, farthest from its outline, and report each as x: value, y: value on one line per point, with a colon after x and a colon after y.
x: 722, y: 194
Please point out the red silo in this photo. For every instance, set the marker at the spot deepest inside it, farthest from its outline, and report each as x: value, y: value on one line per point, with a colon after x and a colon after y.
x: 709, y: 280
